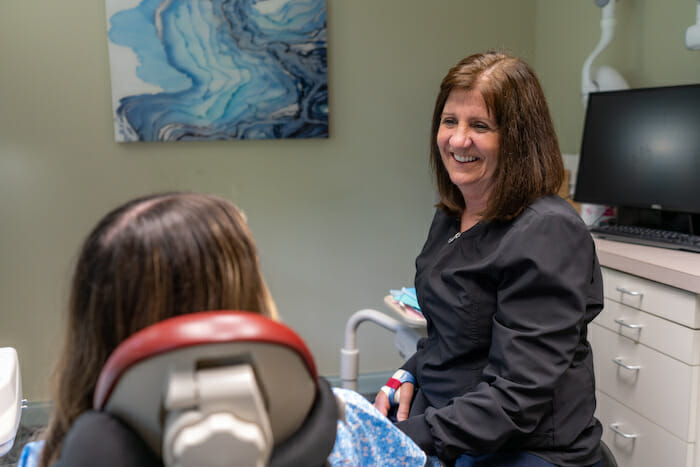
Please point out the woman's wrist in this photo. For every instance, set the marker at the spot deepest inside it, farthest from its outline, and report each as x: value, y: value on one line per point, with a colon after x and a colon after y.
x: 392, y: 388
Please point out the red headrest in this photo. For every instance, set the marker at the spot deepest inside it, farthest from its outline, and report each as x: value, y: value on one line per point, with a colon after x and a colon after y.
x: 208, y: 327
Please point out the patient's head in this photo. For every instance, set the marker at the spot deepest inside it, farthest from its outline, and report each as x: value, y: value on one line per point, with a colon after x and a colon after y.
x: 147, y: 260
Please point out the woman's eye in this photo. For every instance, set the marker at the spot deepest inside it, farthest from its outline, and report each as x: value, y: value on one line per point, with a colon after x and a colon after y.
x: 449, y: 121
x: 480, y: 126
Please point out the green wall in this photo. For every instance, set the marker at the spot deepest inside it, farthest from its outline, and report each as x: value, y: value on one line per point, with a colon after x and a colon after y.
x: 337, y: 221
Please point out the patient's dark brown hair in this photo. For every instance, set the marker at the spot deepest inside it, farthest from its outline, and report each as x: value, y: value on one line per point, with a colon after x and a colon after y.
x: 150, y: 259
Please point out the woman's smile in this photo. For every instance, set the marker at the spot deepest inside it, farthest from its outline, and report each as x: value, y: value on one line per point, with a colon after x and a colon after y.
x: 459, y: 158
x: 468, y: 140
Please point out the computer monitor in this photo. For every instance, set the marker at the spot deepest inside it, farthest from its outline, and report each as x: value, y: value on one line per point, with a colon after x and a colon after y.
x: 641, y: 149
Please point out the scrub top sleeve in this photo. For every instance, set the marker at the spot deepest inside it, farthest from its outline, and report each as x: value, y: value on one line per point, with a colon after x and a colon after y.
x: 419, y: 431
x: 411, y: 365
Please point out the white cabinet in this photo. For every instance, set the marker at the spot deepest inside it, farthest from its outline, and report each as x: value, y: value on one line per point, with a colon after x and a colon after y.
x: 646, y: 348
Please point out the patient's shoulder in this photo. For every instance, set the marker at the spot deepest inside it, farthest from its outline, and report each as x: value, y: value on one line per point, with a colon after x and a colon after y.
x: 98, y: 438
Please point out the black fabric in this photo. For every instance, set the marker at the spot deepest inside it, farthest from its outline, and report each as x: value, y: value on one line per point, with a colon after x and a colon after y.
x: 506, y: 364
x: 99, y: 438
x: 607, y: 457
x: 313, y: 442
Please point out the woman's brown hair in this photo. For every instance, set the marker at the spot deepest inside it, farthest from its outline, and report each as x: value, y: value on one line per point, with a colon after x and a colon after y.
x: 150, y: 259
x: 529, y: 161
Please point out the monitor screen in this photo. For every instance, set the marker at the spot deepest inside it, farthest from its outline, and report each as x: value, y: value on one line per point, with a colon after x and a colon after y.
x: 641, y: 148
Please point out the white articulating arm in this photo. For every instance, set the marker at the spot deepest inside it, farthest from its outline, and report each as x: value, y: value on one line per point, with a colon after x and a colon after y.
x: 607, y: 27
x: 692, y: 34
x: 349, y: 354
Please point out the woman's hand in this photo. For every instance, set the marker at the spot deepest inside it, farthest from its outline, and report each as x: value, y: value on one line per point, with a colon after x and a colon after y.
x: 381, y: 403
x: 405, y: 395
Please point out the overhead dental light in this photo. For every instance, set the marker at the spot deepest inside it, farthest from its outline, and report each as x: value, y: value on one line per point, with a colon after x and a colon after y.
x: 603, y: 78
x: 692, y: 34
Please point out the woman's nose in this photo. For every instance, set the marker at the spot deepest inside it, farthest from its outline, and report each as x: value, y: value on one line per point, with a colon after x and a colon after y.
x: 461, y: 138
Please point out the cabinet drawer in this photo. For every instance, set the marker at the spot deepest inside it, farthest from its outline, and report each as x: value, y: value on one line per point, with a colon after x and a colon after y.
x: 652, y: 447
x: 662, y: 300
x: 660, y: 334
x: 661, y: 389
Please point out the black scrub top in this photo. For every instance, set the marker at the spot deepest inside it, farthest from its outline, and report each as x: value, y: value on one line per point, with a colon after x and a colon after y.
x: 506, y: 364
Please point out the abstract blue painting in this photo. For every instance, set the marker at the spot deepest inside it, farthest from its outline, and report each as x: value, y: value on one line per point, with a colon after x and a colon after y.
x: 218, y: 69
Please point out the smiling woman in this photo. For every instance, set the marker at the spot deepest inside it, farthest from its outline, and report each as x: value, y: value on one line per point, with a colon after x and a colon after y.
x: 468, y: 140
x: 508, y: 281
x: 530, y: 163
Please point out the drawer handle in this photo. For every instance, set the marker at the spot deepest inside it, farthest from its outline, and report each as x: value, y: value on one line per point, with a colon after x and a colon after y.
x: 619, y: 362
x: 632, y: 293
x: 616, y: 428
x: 622, y: 322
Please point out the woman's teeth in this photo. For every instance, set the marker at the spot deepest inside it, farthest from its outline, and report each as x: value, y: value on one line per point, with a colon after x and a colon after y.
x: 464, y: 158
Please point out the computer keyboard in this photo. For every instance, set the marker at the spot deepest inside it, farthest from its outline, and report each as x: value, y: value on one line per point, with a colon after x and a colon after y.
x: 647, y: 236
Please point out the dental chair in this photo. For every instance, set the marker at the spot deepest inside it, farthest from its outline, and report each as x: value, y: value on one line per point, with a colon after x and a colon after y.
x: 207, y: 389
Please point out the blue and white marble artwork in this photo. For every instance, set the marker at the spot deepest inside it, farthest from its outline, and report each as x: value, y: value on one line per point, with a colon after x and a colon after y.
x: 218, y: 69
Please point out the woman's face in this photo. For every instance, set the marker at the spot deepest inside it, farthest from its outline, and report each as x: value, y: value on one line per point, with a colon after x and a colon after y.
x: 468, y: 140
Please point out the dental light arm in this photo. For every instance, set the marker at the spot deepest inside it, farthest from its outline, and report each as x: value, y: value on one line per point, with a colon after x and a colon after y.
x: 692, y: 34
x: 606, y: 78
